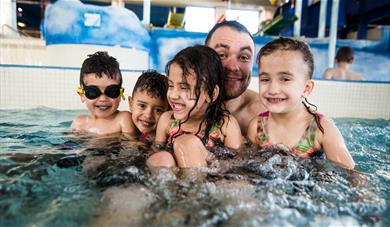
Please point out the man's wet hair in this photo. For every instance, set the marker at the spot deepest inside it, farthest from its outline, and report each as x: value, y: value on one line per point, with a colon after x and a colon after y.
x: 154, y: 83
x: 345, y: 54
x: 101, y: 63
x: 288, y: 44
x: 228, y: 23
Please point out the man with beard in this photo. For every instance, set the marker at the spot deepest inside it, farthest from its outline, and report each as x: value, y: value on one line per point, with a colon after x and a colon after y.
x: 235, y: 46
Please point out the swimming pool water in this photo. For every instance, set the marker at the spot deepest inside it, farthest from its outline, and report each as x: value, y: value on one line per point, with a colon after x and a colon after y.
x: 50, y: 177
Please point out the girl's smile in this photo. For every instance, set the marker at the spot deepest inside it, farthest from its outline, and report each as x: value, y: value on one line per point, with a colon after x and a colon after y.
x: 283, y: 81
x: 181, y: 95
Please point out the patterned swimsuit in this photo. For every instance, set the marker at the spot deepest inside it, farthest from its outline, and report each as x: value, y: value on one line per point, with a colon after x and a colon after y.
x: 305, y: 146
x: 215, y: 137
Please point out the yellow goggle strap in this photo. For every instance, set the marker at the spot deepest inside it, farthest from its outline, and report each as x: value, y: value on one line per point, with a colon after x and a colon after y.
x: 122, y: 91
x: 80, y: 91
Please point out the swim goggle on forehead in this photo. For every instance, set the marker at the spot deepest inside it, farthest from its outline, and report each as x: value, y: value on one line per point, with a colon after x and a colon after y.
x: 93, y: 92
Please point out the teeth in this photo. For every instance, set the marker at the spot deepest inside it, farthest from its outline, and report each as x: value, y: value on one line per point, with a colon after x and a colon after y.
x: 177, y: 106
x: 146, y: 124
x: 274, y: 100
x: 103, y: 107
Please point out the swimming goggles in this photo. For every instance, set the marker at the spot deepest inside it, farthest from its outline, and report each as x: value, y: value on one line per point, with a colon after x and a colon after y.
x: 93, y: 92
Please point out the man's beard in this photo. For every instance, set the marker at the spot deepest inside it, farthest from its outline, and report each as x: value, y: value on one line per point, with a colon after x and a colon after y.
x: 232, y: 93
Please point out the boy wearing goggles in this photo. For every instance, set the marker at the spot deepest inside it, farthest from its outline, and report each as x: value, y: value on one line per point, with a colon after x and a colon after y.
x: 101, y: 90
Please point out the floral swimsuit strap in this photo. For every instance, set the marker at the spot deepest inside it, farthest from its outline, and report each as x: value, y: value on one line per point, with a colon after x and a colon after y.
x: 304, y: 147
x: 215, y: 135
x: 262, y: 138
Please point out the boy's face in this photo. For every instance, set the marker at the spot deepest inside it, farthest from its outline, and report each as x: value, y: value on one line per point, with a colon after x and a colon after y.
x: 146, y: 110
x: 102, y: 106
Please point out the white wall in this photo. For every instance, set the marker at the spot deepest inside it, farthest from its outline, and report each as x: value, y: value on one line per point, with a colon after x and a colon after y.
x: 24, y: 88
x: 31, y: 51
x: 28, y: 79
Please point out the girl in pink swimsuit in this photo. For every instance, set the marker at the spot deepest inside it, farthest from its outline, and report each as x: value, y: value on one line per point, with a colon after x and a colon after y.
x: 198, y: 120
x: 285, y: 72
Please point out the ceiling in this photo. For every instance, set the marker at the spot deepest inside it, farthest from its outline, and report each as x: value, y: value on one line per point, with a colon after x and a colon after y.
x: 242, y: 4
x: 210, y: 3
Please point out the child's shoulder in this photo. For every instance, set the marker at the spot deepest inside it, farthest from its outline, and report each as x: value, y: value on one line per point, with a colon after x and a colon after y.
x: 123, y: 114
x: 79, y: 122
x: 325, y: 121
x: 166, y: 116
x: 328, y: 126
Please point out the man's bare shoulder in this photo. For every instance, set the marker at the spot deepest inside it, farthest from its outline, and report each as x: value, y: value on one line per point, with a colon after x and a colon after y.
x: 250, y: 96
x: 253, y: 104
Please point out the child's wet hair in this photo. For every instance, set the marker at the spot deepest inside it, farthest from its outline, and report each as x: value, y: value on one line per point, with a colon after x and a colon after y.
x: 154, y: 83
x: 345, y: 54
x: 207, y: 66
x: 288, y: 44
x: 99, y: 63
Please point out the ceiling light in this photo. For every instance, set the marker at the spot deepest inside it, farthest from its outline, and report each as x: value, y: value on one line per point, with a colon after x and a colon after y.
x: 21, y: 24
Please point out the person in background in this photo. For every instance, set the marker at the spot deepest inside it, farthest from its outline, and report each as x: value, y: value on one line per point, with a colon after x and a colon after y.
x: 148, y: 102
x: 101, y: 90
x: 344, y: 59
x: 198, y: 121
x: 285, y: 71
x: 236, y: 49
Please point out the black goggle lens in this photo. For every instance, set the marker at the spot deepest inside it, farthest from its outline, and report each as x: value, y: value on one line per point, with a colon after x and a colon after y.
x: 93, y: 92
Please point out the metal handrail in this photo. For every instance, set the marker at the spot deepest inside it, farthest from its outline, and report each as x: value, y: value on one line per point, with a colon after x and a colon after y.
x: 17, y: 31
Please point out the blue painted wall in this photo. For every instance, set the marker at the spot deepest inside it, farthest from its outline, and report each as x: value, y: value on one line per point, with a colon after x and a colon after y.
x: 72, y: 22
x: 65, y: 24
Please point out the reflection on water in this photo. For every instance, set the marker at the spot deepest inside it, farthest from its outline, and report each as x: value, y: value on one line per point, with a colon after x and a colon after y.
x: 77, y: 180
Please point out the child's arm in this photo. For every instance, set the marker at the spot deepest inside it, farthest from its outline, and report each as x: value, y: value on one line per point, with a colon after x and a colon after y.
x: 233, y: 136
x: 252, y: 130
x: 161, y: 158
x: 334, y: 146
x: 161, y: 130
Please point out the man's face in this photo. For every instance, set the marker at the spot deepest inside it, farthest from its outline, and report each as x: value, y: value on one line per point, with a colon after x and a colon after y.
x: 236, y: 50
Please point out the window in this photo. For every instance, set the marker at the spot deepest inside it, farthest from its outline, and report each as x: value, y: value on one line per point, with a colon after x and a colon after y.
x: 92, y: 20
x: 249, y: 18
x: 199, y: 19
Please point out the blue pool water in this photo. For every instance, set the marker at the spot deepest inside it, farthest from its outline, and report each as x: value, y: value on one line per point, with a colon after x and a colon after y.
x: 49, y: 177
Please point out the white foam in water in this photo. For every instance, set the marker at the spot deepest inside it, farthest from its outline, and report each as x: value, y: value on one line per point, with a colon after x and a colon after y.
x: 383, y: 173
x: 331, y: 221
